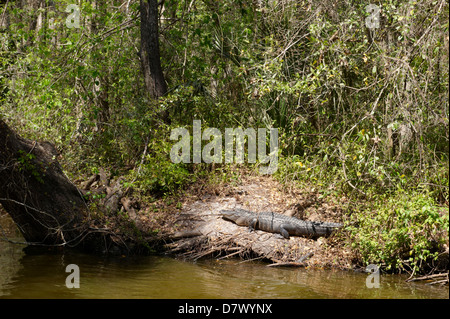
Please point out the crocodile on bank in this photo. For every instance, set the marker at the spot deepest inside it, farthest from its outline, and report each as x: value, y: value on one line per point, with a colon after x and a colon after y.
x: 278, y: 223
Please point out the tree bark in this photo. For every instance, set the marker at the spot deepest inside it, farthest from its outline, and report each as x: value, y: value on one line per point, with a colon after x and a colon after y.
x: 45, y: 205
x: 149, y: 53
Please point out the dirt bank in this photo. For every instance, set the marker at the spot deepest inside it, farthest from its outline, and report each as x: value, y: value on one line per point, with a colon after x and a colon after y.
x: 197, y: 229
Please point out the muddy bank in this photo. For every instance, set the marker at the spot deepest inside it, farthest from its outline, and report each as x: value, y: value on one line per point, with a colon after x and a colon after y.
x: 198, y: 229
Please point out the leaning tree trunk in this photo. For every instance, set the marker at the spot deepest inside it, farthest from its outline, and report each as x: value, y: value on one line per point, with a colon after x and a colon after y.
x: 45, y: 205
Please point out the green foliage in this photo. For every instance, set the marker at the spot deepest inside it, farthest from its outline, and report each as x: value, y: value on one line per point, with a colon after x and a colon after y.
x: 404, y: 232
x: 361, y: 112
x: 161, y: 175
x: 158, y: 174
x: 25, y: 162
x: 79, y: 94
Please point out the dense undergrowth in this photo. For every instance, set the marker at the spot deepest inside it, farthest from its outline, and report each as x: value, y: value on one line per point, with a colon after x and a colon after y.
x: 361, y: 112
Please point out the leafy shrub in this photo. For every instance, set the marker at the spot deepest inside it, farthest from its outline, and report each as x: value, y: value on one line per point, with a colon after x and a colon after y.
x: 400, y: 233
x: 158, y: 174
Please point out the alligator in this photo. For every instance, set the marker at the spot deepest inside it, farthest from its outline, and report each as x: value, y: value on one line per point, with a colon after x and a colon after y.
x: 278, y: 223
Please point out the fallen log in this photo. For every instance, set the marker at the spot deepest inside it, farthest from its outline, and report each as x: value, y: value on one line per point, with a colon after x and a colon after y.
x: 429, y: 277
x: 287, y: 264
x: 440, y: 282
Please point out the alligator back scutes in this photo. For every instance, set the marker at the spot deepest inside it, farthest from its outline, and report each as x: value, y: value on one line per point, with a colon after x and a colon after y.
x: 278, y: 223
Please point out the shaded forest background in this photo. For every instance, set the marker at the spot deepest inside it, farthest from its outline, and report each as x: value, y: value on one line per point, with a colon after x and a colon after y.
x: 361, y: 112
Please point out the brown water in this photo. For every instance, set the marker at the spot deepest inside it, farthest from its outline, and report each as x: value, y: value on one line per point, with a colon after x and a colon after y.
x: 43, y: 275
